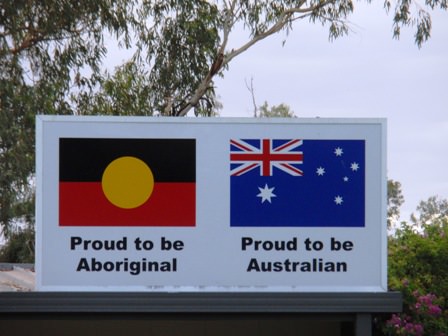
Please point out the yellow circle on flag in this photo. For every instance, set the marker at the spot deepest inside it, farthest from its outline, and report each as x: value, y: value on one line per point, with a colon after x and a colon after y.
x: 127, y: 182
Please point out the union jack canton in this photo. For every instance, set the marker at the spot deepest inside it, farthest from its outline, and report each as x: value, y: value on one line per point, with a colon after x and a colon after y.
x: 265, y: 154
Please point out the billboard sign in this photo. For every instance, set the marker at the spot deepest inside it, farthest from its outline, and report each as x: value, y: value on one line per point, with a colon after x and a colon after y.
x: 210, y: 204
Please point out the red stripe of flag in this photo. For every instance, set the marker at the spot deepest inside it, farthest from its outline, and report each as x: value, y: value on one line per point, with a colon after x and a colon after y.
x: 84, y: 204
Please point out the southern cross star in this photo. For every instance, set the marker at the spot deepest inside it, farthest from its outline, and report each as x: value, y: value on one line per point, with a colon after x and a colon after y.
x: 338, y: 200
x: 266, y: 193
x: 338, y: 151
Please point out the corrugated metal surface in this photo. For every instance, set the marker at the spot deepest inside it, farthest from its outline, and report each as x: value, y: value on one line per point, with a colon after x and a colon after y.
x: 17, y: 277
x: 202, y: 303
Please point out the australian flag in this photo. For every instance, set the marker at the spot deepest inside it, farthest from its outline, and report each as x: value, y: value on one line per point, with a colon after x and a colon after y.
x: 297, y: 183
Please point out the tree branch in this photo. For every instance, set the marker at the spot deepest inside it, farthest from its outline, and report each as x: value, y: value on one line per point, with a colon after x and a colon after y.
x: 223, y: 59
x: 35, y: 36
x: 216, y: 66
x: 252, y: 93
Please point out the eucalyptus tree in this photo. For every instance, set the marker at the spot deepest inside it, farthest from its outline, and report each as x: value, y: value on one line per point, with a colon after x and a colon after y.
x: 183, y: 45
x: 52, y: 53
x: 395, y: 199
x: 44, y: 48
x: 430, y: 211
x: 278, y: 111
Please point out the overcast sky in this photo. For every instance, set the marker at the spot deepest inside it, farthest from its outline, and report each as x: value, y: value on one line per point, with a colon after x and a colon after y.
x: 367, y: 74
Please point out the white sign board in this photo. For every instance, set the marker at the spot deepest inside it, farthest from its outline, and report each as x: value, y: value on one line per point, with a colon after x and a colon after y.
x: 210, y: 204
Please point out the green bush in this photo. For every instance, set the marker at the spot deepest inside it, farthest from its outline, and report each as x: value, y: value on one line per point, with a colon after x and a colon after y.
x: 418, y: 268
x: 19, y: 248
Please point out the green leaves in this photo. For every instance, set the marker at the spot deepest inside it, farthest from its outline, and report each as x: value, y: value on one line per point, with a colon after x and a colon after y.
x: 418, y: 268
x: 409, y: 13
x: 44, y: 48
x: 394, y: 200
x: 275, y: 111
x: 180, y: 45
x: 52, y: 57
x: 430, y: 211
x: 16, y: 152
x: 123, y: 93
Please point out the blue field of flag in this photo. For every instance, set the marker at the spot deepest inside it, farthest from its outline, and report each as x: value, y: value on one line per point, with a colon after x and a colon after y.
x: 297, y: 183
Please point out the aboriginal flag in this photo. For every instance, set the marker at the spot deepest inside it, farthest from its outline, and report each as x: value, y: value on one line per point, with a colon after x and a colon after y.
x: 127, y: 182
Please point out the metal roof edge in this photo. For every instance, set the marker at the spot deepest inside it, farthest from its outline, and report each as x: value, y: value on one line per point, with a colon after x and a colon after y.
x: 137, y: 302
